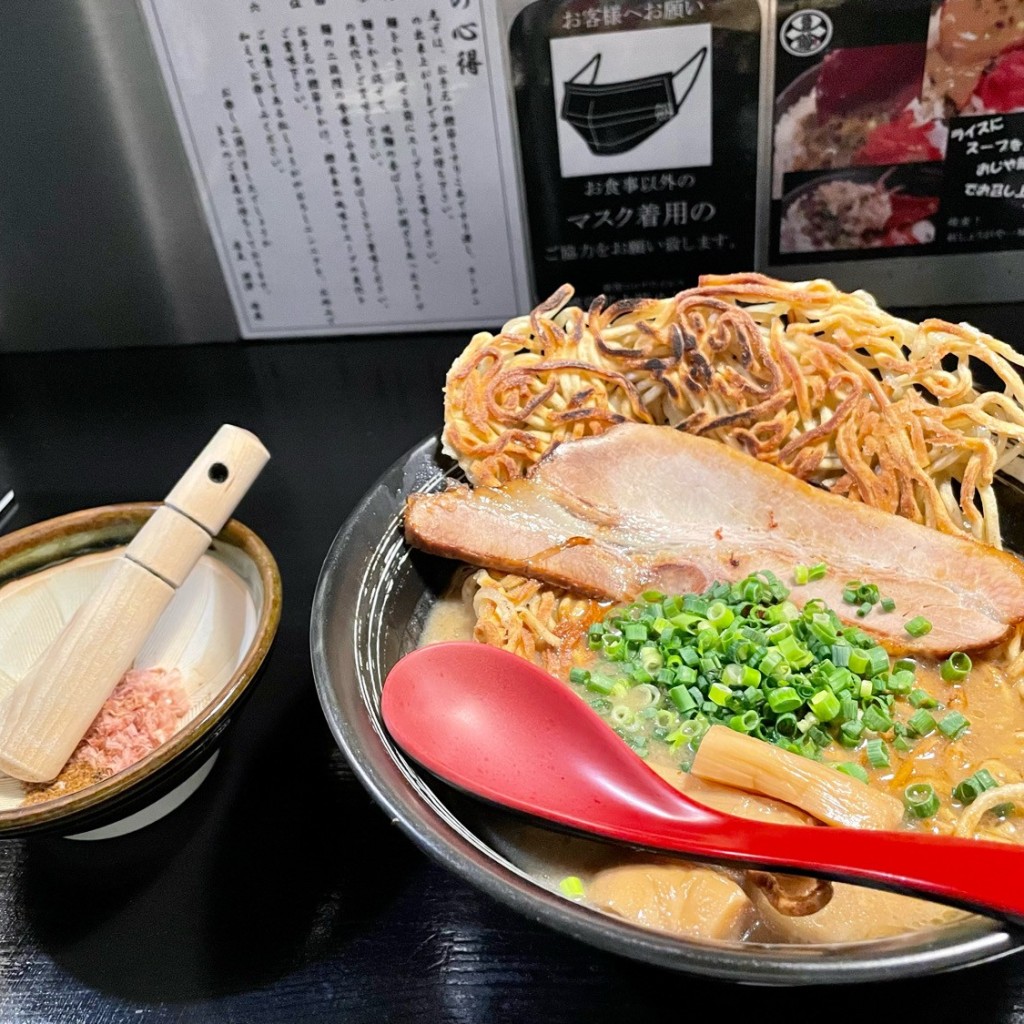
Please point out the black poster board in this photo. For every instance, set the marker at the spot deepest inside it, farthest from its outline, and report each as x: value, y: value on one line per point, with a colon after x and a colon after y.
x: 881, y: 109
x: 638, y: 127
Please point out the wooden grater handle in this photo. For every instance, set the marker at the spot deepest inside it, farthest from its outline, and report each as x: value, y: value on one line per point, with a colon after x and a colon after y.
x: 199, y: 504
x: 48, y: 713
x: 214, y: 484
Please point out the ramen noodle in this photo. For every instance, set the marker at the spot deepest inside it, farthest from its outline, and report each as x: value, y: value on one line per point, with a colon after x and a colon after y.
x: 822, y: 383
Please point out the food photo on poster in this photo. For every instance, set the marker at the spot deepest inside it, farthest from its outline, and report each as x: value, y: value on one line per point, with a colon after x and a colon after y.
x: 861, y: 208
x: 897, y: 136
x: 975, y: 61
x: 859, y: 105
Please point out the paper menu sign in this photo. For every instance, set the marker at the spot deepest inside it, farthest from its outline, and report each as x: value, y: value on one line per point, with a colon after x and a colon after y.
x: 354, y: 158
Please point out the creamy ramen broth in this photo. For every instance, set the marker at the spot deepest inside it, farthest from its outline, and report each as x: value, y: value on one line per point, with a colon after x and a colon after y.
x: 995, y: 741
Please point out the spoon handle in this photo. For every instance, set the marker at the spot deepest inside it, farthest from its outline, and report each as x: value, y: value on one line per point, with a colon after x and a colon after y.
x: 977, y: 875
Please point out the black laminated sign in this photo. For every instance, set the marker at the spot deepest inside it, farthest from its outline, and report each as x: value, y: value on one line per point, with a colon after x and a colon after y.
x: 898, y: 130
x: 638, y: 126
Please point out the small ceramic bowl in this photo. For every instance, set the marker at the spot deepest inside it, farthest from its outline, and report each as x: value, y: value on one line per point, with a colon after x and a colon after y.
x: 216, y: 633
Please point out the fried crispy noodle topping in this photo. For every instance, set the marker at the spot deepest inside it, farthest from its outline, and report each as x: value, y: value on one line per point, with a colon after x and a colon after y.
x: 821, y: 383
x: 524, y: 616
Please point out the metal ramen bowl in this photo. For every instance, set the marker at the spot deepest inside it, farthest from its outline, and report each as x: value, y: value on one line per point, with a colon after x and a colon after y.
x: 371, y: 602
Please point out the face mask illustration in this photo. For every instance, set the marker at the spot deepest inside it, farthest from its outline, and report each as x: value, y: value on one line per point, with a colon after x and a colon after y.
x: 617, y: 116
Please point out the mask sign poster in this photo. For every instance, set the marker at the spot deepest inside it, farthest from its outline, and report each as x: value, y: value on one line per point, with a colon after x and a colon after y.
x: 898, y: 130
x: 638, y: 134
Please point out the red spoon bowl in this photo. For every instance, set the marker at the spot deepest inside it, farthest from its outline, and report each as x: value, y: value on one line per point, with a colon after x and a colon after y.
x: 498, y: 727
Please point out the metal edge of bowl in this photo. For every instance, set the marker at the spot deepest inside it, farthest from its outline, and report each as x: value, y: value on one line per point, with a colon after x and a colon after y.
x: 410, y: 802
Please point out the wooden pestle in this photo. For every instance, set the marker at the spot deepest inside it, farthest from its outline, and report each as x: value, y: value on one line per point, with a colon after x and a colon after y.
x: 45, y: 717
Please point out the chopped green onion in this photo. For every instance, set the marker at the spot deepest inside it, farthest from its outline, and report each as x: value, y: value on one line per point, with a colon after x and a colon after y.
x: 801, y: 575
x: 851, y: 732
x: 877, y: 753
x: 751, y: 676
x: 665, y: 719
x: 822, y: 628
x: 784, y: 699
x: 720, y: 615
x: 922, y: 699
x: 786, y: 725
x: 600, y: 684
x: 878, y: 660
x: 708, y: 639
x: 825, y: 705
x: 613, y: 647
x: 719, y: 693
x: 621, y: 716
x: 680, y: 696
x: 877, y: 719
x: 747, y: 722
x: 778, y: 632
x: 840, y: 655
x: 918, y: 626
x: 858, y: 661
x: 732, y: 674
x: 650, y: 658
x: 901, y: 682
x: 974, y: 785
x: 921, y: 800
x: 954, y: 725
x: 572, y: 887
x: 921, y: 723
x: 852, y: 769
x: 888, y: 604
x: 956, y: 667
x: 744, y: 655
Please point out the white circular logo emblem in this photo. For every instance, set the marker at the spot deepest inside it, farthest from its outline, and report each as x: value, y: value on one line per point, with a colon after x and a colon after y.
x: 805, y: 33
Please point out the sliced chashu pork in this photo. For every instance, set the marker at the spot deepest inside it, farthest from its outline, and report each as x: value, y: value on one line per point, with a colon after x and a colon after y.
x: 643, y: 507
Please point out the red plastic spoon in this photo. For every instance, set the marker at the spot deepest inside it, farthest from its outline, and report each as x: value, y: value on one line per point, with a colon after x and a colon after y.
x: 496, y: 726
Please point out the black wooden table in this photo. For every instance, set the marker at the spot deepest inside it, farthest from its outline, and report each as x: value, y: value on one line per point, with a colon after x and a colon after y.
x: 279, y: 892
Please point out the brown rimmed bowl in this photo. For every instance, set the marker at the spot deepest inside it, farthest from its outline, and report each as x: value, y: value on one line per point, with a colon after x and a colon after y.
x: 221, y: 624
